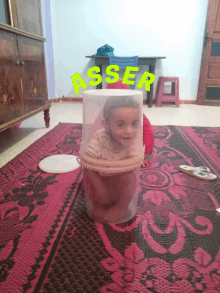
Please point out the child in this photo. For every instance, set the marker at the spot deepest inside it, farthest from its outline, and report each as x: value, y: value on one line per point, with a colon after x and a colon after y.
x: 111, y: 194
x: 148, y: 134
x: 119, y: 137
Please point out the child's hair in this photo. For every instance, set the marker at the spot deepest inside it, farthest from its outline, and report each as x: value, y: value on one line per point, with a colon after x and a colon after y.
x: 118, y: 102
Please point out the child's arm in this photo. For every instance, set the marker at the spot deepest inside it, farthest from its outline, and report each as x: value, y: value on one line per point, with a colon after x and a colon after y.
x: 146, y: 162
x: 148, y: 136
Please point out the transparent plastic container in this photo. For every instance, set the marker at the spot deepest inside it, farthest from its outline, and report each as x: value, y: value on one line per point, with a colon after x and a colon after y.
x: 112, y: 153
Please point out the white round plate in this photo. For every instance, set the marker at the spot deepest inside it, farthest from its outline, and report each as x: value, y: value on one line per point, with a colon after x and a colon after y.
x: 59, y: 164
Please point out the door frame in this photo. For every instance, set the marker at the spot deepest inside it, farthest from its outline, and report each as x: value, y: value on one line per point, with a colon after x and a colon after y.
x: 209, y: 36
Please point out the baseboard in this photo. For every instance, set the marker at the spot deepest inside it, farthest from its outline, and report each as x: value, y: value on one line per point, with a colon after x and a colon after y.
x: 80, y: 99
x: 56, y: 100
x: 187, y: 101
x: 65, y: 99
x: 182, y: 102
x: 71, y: 99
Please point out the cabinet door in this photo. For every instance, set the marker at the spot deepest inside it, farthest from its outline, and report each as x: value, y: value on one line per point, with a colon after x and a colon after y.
x: 31, y: 55
x: 27, y: 15
x: 11, y: 99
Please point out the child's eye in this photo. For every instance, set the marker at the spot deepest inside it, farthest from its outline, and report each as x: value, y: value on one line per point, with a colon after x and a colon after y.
x: 135, y: 123
x: 120, y: 124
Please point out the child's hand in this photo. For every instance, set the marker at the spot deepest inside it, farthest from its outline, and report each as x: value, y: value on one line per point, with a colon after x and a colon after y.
x: 147, y: 162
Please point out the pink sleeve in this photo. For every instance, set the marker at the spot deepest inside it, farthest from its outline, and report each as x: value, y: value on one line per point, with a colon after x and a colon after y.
x: 148, y: 135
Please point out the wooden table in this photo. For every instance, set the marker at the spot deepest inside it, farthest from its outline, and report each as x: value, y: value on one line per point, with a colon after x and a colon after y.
x: 151, y: 61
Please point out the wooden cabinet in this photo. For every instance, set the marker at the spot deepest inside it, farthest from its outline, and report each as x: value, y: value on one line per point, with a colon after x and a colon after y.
x: 11, y: 99
x: 23, y: 86
x: 31, y: 56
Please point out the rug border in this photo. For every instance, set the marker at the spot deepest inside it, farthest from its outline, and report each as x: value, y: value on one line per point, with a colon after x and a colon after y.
x: 46, y: 266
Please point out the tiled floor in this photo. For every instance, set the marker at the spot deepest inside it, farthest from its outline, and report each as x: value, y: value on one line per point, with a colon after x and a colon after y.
x: 13, y: 141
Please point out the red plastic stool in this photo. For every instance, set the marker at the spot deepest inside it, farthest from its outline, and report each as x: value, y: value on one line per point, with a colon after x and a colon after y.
x: 167, y: 98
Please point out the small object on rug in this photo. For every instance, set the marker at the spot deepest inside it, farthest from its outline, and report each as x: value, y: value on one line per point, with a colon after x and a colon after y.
x: 59, y: 164
x: 200, y: 172
x: 189, y: 169
x: 218, y: 210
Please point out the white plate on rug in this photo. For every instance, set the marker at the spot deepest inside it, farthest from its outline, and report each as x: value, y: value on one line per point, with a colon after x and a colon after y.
x: 59, y: 164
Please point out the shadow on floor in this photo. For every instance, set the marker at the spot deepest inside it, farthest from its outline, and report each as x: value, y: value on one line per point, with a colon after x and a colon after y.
x: 11, y: 136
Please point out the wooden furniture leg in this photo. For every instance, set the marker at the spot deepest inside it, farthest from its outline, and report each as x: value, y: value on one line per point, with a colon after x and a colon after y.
x: 47, y: 117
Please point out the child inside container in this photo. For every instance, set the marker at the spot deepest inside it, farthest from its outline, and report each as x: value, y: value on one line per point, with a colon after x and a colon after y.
x: 118, y: 139
x: 111, y: 194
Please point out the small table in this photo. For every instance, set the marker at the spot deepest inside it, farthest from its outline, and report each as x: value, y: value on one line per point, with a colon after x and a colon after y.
x: 151, y: 61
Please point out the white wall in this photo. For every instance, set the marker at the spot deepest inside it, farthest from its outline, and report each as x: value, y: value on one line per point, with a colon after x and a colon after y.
x: 48, y: 47
x: 171, y: 28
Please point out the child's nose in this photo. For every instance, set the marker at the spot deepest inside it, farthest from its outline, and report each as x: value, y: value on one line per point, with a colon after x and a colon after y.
x: 128, y: 129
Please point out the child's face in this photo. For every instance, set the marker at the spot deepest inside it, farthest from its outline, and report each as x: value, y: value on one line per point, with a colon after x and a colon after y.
x: 123, y: 125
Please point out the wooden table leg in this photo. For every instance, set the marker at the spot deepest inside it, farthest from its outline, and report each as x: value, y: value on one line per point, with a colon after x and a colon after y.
x: 99, y: 86
x: 150, y: 93
x: 47, y: 117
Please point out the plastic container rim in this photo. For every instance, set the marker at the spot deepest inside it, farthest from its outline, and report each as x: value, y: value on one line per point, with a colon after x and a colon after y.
x: 112, y: 92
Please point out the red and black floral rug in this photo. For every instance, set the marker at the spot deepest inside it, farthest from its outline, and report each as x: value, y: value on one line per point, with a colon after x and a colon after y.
x: 49, y: 244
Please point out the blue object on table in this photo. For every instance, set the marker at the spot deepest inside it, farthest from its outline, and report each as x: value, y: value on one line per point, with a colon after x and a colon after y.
x: 123, y: 62
x: 110, y: 54
x: 105, y: 51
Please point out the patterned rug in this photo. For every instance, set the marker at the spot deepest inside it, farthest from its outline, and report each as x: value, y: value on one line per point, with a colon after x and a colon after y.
x: 49, y: 244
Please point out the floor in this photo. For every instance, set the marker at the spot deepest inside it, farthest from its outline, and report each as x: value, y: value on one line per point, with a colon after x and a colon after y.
x: 13, y: 141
